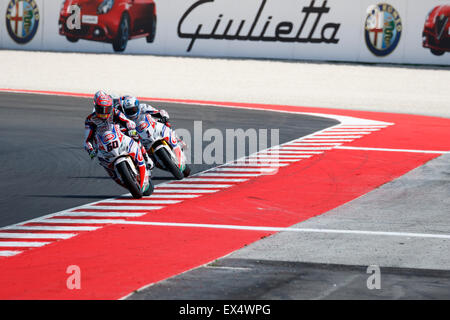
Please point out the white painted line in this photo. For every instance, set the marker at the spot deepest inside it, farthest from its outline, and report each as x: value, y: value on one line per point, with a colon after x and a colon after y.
x: 289, y: 229
x: 81, y: 221
x: 103, y: 214
x: 266, y: 156
x: 338, y: 132
x: 98, y: 207
x: 9, y: 253
x: 226, y: 268
x: 330, y: 135
x: 330, y: 139
x: 219, y: 174
x: 193, y: 185
x: 305, y: 148
x: 355, y: 129
x: 22, y: 243
x: 269, y: 163
x: 184, y: 190
x: 172, y: 196
x: 136, y: 202
x: 261, y: 161
x: 291, y: 152
x: 393, y: 150
x: 214, y: 179
x: 52, y: 228
x: 273, y: 162
x: 363, y: 126
x: 20, y: 235
x: 245, y: 169
x: 315, y: 144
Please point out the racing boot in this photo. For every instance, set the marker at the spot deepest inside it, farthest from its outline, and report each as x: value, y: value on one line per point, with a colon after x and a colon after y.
x: 148, y: 161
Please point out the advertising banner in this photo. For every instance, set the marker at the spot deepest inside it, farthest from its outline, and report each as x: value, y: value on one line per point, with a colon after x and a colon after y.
x: 394, y: 31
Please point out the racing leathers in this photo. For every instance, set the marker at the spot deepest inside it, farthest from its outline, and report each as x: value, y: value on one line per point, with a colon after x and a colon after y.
x: 146, y: 123
x: 93, y: 124
x: 161, y: 115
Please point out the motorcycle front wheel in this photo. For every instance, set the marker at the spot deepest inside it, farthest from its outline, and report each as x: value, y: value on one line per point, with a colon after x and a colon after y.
x: 166, y: 159
x: 129, y: 180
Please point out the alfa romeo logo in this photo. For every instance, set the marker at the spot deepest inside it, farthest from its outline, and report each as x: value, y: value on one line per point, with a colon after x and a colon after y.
x: 22, y: 20
x: 383, y: 29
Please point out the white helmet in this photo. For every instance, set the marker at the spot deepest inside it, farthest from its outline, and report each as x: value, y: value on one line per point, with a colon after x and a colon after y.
x: 130, y: 106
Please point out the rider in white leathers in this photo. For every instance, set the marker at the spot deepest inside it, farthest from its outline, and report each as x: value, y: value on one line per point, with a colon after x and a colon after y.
x: 140, y: 112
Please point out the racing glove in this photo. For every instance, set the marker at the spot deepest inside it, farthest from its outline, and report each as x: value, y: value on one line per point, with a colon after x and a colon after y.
x: 133, y: 134
x: 92, y: 153
x: 164, y: 116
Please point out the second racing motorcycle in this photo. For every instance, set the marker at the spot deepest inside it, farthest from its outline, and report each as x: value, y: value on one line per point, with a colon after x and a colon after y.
x: 163, y: 146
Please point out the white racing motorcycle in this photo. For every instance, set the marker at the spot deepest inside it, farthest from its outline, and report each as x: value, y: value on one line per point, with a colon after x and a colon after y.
x: 122, y: 154
x: 163, y: 146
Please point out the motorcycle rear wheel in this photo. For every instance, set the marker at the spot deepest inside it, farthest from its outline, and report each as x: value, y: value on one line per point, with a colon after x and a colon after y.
x: 128, y: 180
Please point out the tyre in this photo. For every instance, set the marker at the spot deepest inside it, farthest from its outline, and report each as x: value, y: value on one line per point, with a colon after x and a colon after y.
x: 187, y: 171
x: 129, y: 180
x: 151, y: 37
x: 166, y: 159
x: 437, y: 52
x: 150, y: 189
x: 121, y: 40
x: 71, y: 39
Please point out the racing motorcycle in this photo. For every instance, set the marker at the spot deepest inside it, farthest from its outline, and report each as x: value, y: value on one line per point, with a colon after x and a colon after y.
x: 123, y: 154
x: 163, y: 146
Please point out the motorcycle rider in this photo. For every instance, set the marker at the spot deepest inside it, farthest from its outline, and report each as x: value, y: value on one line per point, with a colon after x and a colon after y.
x: 160, y: 115
x: 104, y: 116
x: 136, y: 111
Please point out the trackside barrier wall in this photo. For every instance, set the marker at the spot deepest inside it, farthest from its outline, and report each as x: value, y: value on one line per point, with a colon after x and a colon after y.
x: 389, y: 31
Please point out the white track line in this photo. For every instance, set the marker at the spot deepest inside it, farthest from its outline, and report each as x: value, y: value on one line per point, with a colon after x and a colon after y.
x: 9, y: 253
x: 52, y: 228
x: 270, y: 156
x: 230, y: 174
x: 136, y: 202
x: 193, y: 185
x: 330, y: 135
x: 185, y: 190
x: 306, y: 144
x: 288, y: 229
x: 244, y: 169
x: 22, y: 243
x: 355, y: 130
x: 330, y: 140
x: 171, y: 196
x: 264, y: 164
x: 393, y: 150
x: 80, y: 221
x: 291, y: 152
x: 215, y: 180
x: 338, y: 132
x: 124, y: 208
x: 263, y: 159
x: 104, y: 214
x: 8, y: 235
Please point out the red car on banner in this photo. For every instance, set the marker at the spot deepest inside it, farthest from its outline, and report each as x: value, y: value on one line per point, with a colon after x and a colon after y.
x: 436, y: 32
x: 112, y: 21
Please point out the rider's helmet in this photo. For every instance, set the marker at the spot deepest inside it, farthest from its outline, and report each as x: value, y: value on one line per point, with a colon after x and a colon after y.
x: 103, y: 105
x: 130, y: 106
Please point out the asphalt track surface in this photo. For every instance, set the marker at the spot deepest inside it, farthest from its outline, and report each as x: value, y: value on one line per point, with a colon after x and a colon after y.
x: 44, y: 168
